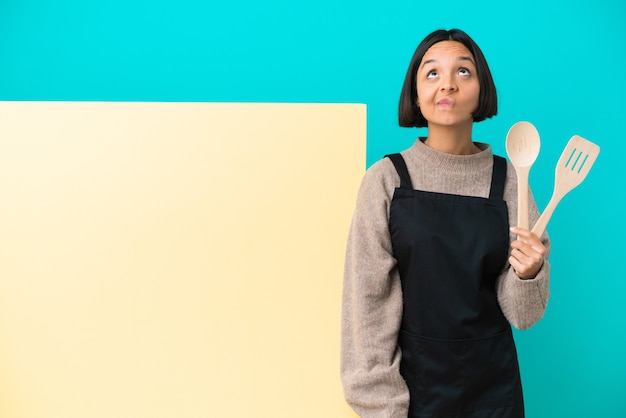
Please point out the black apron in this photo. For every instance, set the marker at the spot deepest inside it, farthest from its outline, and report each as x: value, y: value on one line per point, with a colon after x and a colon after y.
x: 458, y: 354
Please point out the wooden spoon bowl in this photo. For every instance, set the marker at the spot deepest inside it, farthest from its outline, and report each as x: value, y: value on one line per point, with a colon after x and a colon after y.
x: 522, y: 147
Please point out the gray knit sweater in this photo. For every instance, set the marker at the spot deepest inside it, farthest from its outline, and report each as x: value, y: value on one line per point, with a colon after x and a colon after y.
x: 372, y: 295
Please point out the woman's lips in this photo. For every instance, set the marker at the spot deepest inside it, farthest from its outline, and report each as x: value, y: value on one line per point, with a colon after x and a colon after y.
x: 445, y: 103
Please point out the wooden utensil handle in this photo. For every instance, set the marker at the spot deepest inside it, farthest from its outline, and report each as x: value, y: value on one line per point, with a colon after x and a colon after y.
x: 522, y: 198
x: 542, y: 222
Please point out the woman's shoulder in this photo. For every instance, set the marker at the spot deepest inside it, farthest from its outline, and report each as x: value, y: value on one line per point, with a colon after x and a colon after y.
x: 381, y: 178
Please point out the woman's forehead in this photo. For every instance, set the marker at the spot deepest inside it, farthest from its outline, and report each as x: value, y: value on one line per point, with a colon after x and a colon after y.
x: 447, y: 50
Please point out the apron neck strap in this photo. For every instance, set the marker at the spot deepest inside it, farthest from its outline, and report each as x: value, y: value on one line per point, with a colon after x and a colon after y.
x: 403, y: 172
x: 498, y: 178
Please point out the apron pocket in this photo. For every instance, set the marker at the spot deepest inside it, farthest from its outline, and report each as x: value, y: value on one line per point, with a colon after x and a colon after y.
x: 452, y: 377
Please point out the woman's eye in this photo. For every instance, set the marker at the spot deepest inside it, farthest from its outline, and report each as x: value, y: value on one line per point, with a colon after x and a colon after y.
x: 464, y: 71
x: 431, y: 74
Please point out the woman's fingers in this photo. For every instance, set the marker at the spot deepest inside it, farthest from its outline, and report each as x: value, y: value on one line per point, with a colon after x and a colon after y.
x: 527, y: 253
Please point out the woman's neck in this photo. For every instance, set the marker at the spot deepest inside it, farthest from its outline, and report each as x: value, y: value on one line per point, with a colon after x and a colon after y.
x: 451, y: 139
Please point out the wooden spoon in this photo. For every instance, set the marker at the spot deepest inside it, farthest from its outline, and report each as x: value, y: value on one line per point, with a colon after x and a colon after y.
x: 522, y: 147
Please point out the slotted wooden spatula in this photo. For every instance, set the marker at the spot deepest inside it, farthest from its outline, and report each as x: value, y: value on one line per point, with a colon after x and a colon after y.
x: 571, y: 169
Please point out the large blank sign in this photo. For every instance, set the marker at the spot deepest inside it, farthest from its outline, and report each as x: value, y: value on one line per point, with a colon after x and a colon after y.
x: 174, y: 259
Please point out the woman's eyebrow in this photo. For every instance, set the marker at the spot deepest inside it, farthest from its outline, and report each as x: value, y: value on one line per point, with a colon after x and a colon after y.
x: 461, y: 58
x: 466, y: 58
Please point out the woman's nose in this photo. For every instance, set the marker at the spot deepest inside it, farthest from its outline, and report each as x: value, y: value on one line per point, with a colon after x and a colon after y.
x: 448, y: 84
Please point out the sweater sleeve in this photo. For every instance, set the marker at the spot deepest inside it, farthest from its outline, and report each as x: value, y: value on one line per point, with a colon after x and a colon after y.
x: 524, y: 302
x: 372, y: 305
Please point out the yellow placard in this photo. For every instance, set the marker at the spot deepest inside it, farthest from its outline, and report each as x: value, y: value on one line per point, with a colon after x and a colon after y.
x: 174, y: 259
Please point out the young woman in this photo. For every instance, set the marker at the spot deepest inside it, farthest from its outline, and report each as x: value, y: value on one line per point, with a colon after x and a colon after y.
x: 434, y: 273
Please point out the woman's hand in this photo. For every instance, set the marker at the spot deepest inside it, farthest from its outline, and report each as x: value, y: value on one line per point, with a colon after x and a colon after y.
x: 527, y: 253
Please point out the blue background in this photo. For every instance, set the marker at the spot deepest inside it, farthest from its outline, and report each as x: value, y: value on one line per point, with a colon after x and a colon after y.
x: 558, y: 64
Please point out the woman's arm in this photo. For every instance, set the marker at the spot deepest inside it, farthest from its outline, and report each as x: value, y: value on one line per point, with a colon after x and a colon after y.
x: 372, y: 306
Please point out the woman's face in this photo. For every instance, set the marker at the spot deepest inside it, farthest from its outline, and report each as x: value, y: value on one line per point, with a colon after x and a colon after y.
x: 447, y: 84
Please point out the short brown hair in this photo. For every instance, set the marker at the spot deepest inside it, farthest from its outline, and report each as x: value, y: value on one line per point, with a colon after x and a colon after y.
x: 409, y: 113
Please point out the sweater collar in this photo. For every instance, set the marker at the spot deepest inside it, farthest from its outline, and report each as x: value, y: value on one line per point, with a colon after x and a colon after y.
x: 428, y: 157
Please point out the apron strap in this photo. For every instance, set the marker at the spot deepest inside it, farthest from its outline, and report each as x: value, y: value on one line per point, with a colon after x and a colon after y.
x: 498, y: 178
x: 403, y: 172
